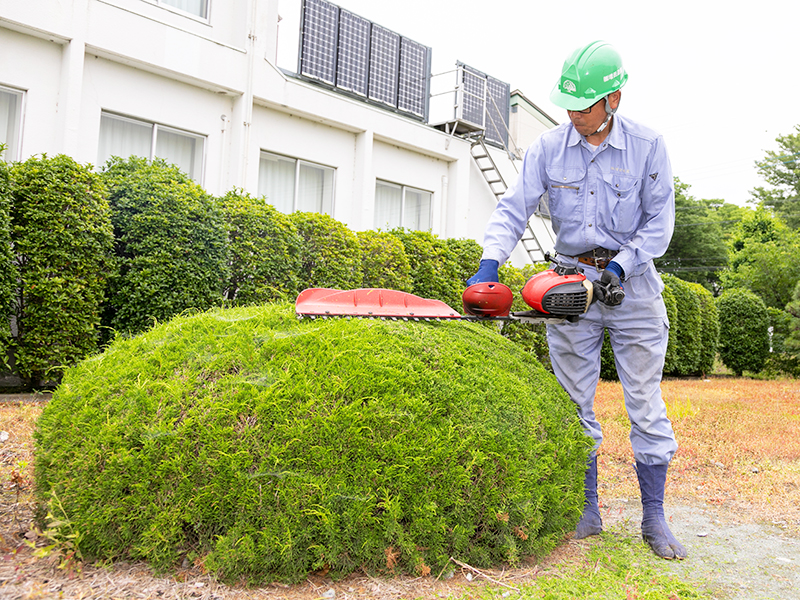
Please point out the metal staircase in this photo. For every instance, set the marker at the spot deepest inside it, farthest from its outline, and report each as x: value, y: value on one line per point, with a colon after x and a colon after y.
x: 487, y: 166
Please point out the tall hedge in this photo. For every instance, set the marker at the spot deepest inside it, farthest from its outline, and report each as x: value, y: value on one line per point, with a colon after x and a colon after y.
x: 384, y: 262
x: 8, y: 268
x: 608, y: 367
x: 687, y: 326
x: 466, y: 254
x: 709, y: 329
x: 743, y: 331
x: 532, y: 338
x: 783, y: 358
x: 331, y: 253
x: 62, y: 236
x: 671, y: 304
x: 433, y: 269
x: 264, y: 250
x: 170, y: 244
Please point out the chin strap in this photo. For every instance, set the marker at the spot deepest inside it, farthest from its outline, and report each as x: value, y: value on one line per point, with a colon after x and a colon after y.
x: 609, y: 114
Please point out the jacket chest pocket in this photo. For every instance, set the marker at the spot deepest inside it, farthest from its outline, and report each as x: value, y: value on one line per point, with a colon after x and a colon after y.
x: 619, y: 206
x: 565, y: 188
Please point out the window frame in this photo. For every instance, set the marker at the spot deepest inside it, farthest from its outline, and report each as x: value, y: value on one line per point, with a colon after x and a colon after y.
x: 174, y: 9
x: 155, y: 127
x: 403, y: 190
x: 298, y: 163
x: 13, y: 150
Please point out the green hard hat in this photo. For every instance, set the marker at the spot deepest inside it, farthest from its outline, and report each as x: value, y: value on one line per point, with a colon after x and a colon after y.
x: 590, y: 73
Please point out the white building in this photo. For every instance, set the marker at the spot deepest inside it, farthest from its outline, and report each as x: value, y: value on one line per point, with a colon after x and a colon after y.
x: 197, y: 82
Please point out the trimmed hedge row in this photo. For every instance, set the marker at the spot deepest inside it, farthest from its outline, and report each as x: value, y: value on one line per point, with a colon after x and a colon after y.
x: 62, y: 240
x: 98, y: 255
x: 174, y: 248
x: 694, y: 332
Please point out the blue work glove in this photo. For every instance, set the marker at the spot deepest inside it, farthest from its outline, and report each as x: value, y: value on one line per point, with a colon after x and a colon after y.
x: 487, y: 272
x: 609, y: 289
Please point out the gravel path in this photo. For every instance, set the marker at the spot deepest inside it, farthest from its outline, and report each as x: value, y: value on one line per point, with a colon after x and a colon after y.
x: 748, y: 561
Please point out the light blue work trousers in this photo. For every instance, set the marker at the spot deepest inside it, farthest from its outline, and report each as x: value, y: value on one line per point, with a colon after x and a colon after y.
x: 639, y: 331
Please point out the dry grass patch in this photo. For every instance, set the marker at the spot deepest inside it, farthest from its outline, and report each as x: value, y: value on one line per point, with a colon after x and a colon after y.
x: 739, y: 447
x: 739, y: 453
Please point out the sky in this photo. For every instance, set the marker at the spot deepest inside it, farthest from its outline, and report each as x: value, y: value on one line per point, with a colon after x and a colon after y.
x: 719, y: 80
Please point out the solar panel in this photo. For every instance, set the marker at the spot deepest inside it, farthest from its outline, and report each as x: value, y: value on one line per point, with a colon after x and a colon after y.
x: 384, y: 60
x: 413, y: 87
x: 353, y: 53
x: 473, y: 100
x: 318, y: 55
x: 485, y: 102
x: 498, y: 102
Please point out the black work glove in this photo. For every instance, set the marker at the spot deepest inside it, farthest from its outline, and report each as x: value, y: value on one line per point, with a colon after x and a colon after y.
x: 608, y: 289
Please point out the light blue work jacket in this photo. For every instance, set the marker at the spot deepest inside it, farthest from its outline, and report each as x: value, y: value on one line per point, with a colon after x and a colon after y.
x: 620, y: 196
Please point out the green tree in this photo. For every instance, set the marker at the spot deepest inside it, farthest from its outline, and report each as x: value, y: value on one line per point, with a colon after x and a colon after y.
x: 781, y: 170
x: 697, y: 250
x: 763, y: 259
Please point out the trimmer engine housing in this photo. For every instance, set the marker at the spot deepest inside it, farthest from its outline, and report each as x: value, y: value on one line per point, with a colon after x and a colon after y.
x: 558, y: 292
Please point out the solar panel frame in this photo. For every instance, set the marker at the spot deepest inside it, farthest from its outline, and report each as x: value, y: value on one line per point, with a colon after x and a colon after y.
x: 318, y: 50
x: 357, y: 56
x: 384, y: 63
x: 352, y: 65
x: 473, y: 98
x: 498, y: 107
x: 414, y: 84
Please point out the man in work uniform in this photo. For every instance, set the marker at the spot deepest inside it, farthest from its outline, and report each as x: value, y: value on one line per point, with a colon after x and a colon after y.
x: 612, y: 205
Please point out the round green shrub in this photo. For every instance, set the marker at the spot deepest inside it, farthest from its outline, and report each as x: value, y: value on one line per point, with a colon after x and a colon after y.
x: 62, y: 238
x: 743, y: 331
x: 263, y: 250
x: 267, y: 447
x: 433, y: 270
x: 384, y: 262
x: 686, y: 325
x: 170, y: 244
x: 331, y: 254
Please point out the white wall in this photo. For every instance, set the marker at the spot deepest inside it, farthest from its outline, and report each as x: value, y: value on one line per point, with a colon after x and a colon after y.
x: 218, y: 78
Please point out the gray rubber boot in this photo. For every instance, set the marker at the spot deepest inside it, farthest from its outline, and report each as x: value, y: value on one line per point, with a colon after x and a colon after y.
x: 591, y: 523
x: 655, y: 532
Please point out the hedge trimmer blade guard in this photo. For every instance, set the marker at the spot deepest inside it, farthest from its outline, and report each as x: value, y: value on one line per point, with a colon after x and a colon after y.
x: 370, y: 302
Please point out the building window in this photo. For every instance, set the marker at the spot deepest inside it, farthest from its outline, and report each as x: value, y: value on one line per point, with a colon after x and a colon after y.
x: 290, y: 184
x: 198, y: 8
x: 10, y: 122
x: 402, y: 206
x: 124, y: 137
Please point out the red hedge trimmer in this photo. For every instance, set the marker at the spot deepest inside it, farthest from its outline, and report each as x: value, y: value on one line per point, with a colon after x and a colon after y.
x: 562, y: 293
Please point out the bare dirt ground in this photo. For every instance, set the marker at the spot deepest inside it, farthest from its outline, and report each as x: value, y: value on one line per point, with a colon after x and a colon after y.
x: 744, y: 546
